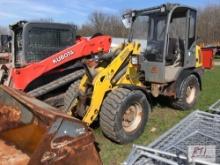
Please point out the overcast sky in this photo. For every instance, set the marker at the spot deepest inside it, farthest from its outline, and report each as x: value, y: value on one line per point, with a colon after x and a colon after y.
x: 75, y: 11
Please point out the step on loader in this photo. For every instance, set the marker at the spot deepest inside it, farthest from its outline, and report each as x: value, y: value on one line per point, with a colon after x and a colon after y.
x: 46, y: 58
x: 33, y: 132
x: 118, y: 91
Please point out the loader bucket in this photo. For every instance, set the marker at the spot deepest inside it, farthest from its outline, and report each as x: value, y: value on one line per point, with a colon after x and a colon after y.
x: 32, y: 132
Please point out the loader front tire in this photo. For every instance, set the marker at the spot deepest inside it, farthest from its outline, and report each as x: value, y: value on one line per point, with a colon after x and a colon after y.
x: 124, y: 114
x: 71, y: 97
x: 189, y: 92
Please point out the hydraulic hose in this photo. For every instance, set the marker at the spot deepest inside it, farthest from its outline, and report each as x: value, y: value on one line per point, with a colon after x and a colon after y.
x: 110, y: 55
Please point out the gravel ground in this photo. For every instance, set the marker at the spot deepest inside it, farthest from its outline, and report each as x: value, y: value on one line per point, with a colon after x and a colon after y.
x: 217, y: 63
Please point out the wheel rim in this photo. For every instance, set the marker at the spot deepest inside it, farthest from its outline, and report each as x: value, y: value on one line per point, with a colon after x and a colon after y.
x: 190, y: 94
x: 132, y: 117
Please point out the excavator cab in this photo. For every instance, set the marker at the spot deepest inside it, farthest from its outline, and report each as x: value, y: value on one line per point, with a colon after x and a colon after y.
x: 35, y: 41
x: 170, y: 31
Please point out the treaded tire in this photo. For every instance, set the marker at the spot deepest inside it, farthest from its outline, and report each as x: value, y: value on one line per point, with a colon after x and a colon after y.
x: 181, y: 103
x: 113, y: 109
x: 71, y: 94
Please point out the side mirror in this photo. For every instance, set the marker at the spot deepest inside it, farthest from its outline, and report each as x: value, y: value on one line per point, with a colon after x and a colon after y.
x: 127, y: 21
x: 128, y: 18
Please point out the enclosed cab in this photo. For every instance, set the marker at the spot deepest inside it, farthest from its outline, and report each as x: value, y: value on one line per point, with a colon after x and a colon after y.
x: 35, y: 41
x: 171, y: 43
x: 171, y: 61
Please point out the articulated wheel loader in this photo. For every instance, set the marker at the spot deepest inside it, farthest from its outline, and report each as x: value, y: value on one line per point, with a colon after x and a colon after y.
x: 118, y: 90
x: 33, y: 132
x: 46, y: 58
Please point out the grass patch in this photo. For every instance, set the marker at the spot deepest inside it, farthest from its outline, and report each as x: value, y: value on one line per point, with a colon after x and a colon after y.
x: 217, y: 59
x: 162, y: 118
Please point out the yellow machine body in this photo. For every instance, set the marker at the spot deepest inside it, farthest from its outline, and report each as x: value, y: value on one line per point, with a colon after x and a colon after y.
x: 199, y: 59
x: 102, y: 82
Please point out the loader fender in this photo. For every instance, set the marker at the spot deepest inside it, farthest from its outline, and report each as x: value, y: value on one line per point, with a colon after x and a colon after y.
x: 134, y: 87
x: 198, y: 72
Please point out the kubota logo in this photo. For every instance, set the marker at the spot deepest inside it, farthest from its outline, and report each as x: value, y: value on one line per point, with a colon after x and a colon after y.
x: 62, y: 57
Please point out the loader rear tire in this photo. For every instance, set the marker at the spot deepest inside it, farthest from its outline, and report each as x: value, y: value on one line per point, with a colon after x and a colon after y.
x: 189, y: 92
x: 124, y: 114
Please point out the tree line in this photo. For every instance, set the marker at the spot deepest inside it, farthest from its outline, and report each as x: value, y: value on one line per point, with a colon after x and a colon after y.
x: 99, y: 22
x: 208, y: 24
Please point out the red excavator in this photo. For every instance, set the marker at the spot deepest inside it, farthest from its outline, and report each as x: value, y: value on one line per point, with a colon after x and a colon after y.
x: 46, y: 58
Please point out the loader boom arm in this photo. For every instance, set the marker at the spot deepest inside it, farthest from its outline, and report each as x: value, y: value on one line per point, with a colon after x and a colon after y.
x: 103, y: 81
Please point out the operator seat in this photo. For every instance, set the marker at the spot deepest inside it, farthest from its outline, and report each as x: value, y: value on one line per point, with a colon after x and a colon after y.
x: 176, y: 48
x: 172, y: 51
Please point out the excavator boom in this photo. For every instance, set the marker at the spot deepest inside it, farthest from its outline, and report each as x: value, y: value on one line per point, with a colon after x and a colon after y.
x: 22, y: 77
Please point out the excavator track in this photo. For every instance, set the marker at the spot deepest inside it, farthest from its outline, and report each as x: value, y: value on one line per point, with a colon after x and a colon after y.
x: 42, y: 90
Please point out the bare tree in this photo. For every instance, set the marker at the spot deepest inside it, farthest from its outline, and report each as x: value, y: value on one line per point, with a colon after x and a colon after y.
x: 85, y: 30
x: 209, y: 23
x: 99, y: 22
x: 4, y: 30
